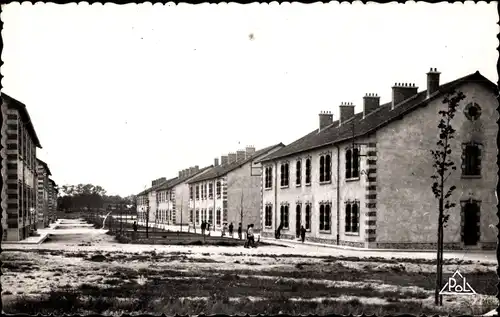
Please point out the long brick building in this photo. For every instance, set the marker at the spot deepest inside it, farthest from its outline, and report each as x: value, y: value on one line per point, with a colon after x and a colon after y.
x: 20, y: 142
x: 365, y: 180
x: 229, y: 190
x: 42, y: 199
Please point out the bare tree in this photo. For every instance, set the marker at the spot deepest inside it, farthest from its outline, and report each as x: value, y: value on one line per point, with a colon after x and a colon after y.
x: 443, y: 167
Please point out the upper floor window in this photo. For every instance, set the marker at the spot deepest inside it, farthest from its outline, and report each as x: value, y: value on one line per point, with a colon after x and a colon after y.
x: 325, y: 211
x: 218, y: 189
x: 268, y: 177
x: 298, y: 173
x: 284, y: 216
x: 352, y: 163
x: 325, y: 168
x: 285, y: 177
x: 471, y: 159
x: 472, y: 111
x: 352, y: 217
x: 197, y: 192
x: 308, y: 171
x: 210, y: 190
x: 191, y: 192
x: 268, y: 215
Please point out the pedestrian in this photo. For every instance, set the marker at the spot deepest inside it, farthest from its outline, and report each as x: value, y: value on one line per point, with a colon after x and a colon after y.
x: 250, y: 236
x: 231, y: 229
x: 302, y: 233
x: 239, y: 231
x: 278, y: 231
x: 203, y: 226
x: 134, y: 226
x: 224, y: 228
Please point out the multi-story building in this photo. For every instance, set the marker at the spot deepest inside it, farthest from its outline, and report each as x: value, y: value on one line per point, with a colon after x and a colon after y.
x: 148, y: 198
x: 53, y: 193
x: 173, y: 197
x: 365, y: 179
x: 42, y: 198
x: 230, y: 192
x: 20, y: 141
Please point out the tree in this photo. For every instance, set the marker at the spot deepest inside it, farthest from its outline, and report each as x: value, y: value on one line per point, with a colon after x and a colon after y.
x: 443, y: 167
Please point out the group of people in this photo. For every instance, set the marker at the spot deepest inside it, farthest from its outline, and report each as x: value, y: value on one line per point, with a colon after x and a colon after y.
x: 302, y: 232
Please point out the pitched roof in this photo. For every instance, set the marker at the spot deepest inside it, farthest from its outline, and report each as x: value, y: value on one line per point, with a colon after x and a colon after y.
x: 223, y: 169
x: 178, y: 180
x: 21, y: 108
x: 44, y: 166
x: 373, y: 121
x: 154, y: 188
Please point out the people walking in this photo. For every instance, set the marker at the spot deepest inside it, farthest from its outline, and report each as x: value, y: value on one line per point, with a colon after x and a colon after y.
x: 302, y: 233
x: 134, y: 226
x: 203, y: 227
x: 231, y: 229
x: 239, y: 231
x: 224, y: 228
x: 250, y: 237
x: 278, y: 231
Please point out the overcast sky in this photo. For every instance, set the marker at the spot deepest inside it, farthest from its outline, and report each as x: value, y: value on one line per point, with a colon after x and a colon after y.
x: 122, y: 94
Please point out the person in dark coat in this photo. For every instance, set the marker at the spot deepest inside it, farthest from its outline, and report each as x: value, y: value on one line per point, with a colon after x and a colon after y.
x: 231, y: 229
x: 134, y: 226
x: 278, y: 231
x: 302, y: 233
x: 240, y: 231
x: 203, y: 226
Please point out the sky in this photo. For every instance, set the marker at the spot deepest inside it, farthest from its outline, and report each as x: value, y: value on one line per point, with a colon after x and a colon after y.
x: 120, y: 95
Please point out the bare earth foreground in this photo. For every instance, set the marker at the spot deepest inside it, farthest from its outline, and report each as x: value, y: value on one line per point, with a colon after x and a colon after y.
x: 87, y: 271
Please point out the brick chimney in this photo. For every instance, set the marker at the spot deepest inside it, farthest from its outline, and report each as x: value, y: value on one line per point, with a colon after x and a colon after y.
x: 432, y: 81
x: 196, y: 168
x: 250, y: 150
x: 325, y: 119
x: 216, y: 161
x: 371, y: 102
x: 401, y: 92
x: 240, y: 155
x: 346, y: 111
x: 181, y: 173
x: 191, y: 170
x: 231, y: 157
x: 223, y: 159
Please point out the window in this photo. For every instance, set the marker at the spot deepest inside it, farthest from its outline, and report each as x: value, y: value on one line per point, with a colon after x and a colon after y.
x: 308, y: 217
x: 284, y: 216
x: 471, y: 159
x: 197, y: 216
x: 268, y: 177
x: 210, y: 190
x: 324, y: 216
x: 218, y: 188
x: 325, y: 168
x: 191, y: 192
x: 352, y: 163
x: 268, y: 216
x: 308, y: 171
x: 352, y: 217
x: 284, y: 175
x: 472, y: 111
x: 298, y: 173
x: 218, y: 216
x: 211, y: 215
x: 197, y: 192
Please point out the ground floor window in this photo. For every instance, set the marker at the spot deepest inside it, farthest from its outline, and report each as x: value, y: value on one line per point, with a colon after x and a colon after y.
x: 352, y: 217
x: 210, y: 215
x: 284, y: 216
x: 197, y: 216
x: 268, y: 216
x: 308, y: 217
x: 218, y: 216
x: 325, y: 211
x: 191, y: 215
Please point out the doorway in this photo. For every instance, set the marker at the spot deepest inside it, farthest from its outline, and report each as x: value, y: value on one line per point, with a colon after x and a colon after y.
x: 298, y: 217
x: 471, y: 227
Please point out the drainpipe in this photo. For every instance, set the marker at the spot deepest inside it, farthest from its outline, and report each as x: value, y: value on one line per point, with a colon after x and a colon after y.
x: 214, y: 195
x: 275, y: 195
x: 338, y: 194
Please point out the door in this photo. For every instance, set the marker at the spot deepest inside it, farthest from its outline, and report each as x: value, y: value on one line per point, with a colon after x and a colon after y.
x: 471, y: 223
x: 298, y: 217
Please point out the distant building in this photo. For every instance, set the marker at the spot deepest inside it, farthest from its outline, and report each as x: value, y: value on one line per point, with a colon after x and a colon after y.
x: 42, y: 199
x: 53, y: 193
x: 20, y: 142
x: 148, y: 198
x: 230, y: 190
x: 173, y: 197
x: 365, y: 180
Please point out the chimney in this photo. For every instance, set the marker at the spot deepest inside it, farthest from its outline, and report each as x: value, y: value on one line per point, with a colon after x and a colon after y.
x: 223, y: 159
x: 240, y: 155
x: 432, y: 81
x: 250, y: 150
x: 401, y: 92
x: 216, y: 161
x: 371, y: 102
x: 325, y: 119
x: 196, y: 168
x: 153, y: 183
x: 191, y: 171
x: 231, y: 157
x: 346, y: 111
x: 181, y: 173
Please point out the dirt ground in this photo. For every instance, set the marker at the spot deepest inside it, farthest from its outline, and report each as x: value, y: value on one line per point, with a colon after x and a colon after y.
x: 92, y: 273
